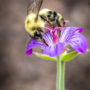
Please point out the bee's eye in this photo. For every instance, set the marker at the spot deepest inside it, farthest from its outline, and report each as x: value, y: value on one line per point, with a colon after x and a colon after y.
x: 38, y: 34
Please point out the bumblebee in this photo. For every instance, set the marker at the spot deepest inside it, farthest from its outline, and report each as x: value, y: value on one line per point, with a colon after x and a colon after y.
x: 35, y: 22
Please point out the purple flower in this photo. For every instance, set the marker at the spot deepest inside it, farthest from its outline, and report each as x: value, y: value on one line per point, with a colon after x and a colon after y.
x: 56, y: 44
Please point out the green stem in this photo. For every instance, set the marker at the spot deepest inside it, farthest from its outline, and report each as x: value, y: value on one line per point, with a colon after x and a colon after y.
x: 60, y: 74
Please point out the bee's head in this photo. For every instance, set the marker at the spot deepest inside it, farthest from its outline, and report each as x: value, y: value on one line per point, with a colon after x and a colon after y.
x: 38, y: 33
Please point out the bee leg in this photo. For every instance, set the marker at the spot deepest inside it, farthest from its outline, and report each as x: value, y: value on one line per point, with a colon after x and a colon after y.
x: 44, y: 42
x: 59, y: 24
x: 48, y: 21
x: 42, y: 38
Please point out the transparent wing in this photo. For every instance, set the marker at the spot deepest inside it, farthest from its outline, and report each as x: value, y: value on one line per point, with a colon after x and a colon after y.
x: 34, y: 6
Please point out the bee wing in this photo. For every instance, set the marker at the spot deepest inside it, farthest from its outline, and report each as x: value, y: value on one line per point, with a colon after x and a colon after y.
x: 34, y: 6
x: 38, y: 7
x: 31, y: 7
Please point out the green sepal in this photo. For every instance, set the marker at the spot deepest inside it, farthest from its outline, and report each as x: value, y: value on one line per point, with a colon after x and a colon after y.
x: 64, y: 56
x: 46, y: 57
x: 68, y: 56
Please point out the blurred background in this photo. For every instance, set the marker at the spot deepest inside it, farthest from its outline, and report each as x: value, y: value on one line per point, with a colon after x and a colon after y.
x: 21, y: 72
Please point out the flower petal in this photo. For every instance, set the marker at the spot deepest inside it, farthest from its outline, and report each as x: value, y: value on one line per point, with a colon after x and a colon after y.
x: 33, y: 43
x: 54, y: 50
x: 78, y: 42
x: 67, y: 32
x: 48, y: 38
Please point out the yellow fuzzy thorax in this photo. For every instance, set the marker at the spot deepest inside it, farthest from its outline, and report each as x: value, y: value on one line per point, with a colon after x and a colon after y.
x: 31, y: 23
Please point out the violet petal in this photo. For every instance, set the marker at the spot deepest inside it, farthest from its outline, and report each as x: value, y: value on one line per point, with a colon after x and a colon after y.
x: 78, y: 42
x: 67, y: 32
x: 54, y: 50
x: 33, y: 43
x: 48, y: 38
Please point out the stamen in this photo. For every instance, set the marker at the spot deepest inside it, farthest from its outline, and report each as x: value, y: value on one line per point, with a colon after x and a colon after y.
x: 46, y: 28
x: 53, y: 32
x: 58, y: 28
x: 49, y: 26
x: 55, y: 38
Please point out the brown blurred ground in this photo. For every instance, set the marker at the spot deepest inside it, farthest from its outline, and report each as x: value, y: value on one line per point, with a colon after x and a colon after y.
x: 21, y: 72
